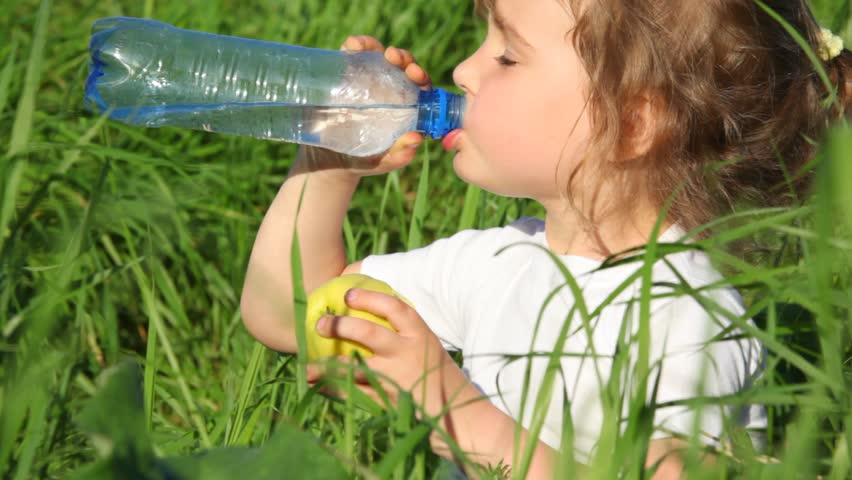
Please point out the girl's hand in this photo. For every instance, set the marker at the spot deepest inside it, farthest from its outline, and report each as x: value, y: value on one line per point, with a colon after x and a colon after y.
x: 411, y: 358
x: 403, y: 150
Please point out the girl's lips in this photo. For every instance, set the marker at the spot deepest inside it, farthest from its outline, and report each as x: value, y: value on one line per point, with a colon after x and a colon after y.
x: 450, y: 139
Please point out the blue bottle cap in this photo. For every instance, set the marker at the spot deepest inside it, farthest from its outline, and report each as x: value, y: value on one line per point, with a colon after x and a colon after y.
x: 439, y: 112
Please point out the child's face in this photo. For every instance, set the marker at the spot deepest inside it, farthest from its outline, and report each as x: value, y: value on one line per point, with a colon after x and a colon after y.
x: 522, y: 118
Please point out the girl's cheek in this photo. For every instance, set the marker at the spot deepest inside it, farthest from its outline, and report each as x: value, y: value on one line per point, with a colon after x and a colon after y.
x: 491, y: 112
x: 498, y: 120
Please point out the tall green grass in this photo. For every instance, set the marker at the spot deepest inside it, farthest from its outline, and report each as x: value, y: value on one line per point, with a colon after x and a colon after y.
x: 125, y: 243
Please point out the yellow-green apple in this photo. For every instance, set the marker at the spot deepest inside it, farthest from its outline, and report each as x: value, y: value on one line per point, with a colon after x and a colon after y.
x: 328, y: 299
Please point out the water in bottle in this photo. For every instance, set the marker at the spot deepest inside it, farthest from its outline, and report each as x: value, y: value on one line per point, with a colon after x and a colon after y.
x: 145, y: 72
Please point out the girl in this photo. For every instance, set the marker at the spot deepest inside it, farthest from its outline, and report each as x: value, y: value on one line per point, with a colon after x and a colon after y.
x: 600, y: 111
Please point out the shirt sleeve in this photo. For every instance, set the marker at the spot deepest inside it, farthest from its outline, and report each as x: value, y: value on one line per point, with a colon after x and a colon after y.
x: 695, y: 361
x: 434, y: 279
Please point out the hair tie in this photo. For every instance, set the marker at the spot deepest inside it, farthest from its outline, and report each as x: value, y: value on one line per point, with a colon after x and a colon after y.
x: 830, y: 45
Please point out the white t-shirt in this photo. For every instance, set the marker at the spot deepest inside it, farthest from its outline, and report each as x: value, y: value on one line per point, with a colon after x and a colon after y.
x: 487, y: 306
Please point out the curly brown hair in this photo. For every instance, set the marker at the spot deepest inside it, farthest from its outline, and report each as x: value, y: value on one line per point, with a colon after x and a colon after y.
x: 741, y: 104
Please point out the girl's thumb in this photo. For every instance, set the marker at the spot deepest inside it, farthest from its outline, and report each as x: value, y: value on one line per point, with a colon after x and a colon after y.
x: 409, y: 140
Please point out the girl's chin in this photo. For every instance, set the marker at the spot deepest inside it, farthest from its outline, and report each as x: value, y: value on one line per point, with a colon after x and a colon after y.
x: 467, y: 169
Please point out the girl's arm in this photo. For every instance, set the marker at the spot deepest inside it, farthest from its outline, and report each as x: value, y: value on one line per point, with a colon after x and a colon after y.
x: 267, y: 299
x: 487, y: 435
x: 329, y: 180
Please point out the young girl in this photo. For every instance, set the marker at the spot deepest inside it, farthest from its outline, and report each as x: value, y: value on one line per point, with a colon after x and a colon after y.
x: 600, y: 111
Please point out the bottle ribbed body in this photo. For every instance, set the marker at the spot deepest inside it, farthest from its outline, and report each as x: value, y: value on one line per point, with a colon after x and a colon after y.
x: 149, y: 73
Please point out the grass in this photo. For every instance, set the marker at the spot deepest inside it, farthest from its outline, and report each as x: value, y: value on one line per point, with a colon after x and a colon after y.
x: 125, y: 243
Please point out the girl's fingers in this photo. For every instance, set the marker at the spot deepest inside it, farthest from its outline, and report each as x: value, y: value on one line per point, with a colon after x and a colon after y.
x: 406, y: 144
x: 332, y: 367
x: 357, y: 43
x: 376, y: 337
x: 398, y: 313
x: 393, y: 55
x: 340, y: 392
x: 333, y: 373
x: 371, y: 43
x: 407, y: 57
x: 404, y: 150
x: 349, y: 44
x: 406, y: 61
x: 399, y: 57
x: 352, y: 43
x: 418, y: 75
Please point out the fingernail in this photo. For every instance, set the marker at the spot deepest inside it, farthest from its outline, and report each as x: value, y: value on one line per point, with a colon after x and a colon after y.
x: 413, y: 146
x: 322, y: 322
x: 350, y: 295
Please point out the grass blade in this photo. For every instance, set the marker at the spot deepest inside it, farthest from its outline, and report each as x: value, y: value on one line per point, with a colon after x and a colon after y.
x: 10, y: 194
x: 470, y: 208
x: 415, y: 232
x: 26, y: 105
x: 247, y: 387
x: 300, y: 301
x: 6, y: 73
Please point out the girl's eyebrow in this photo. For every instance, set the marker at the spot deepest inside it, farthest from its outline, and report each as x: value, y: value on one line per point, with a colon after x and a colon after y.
x: 504, y: 26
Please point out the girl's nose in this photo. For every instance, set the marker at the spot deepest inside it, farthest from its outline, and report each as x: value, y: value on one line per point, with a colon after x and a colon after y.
x: 463, y: 76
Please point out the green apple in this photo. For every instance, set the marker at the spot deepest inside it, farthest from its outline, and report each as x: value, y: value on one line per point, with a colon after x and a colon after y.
x: 328, y: 299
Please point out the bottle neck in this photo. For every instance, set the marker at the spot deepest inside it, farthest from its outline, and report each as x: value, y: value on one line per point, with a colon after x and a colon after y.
x: 439, y: 112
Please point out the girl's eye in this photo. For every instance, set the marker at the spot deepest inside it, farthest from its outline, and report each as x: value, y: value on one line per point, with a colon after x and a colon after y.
x: 503, y: 60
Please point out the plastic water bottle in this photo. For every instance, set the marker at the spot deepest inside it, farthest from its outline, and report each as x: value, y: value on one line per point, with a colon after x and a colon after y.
x: 149, y: 73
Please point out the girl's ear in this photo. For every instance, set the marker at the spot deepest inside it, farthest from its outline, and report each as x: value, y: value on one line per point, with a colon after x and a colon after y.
x: 639, y: 127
